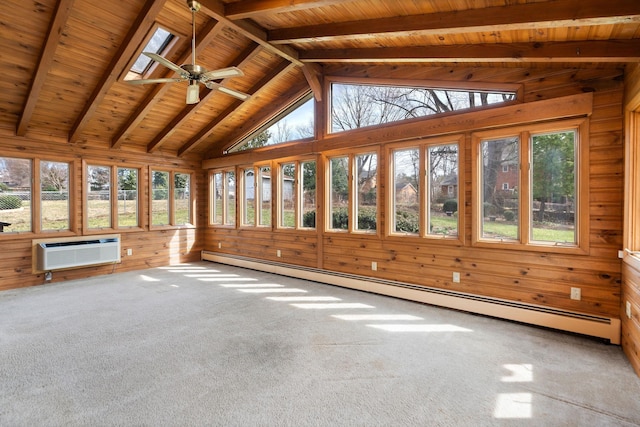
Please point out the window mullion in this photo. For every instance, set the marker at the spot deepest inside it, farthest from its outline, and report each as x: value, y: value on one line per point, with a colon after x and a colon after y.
x: 525, y: 188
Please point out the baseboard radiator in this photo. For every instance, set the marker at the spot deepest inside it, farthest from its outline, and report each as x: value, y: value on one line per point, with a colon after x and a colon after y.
x: 596, y: 326
x: 62, y: 255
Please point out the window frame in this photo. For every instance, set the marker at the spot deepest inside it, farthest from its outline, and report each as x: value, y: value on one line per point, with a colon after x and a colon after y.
x: 298, y: 193
x: 224, y: 199
x: 113, y: 194
x: 424, y: 184
x: 258, y: 195
x: 171, y: 195
x: 524, y: 240
x: 352, y: 186
x: 36, y: 205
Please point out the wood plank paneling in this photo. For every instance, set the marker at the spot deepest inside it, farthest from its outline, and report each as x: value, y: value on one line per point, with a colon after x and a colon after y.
x: 151, y: 248
x: 539, y: 278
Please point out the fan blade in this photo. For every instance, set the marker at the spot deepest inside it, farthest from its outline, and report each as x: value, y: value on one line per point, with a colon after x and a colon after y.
x: 147, y: 81
x: 222, y: 73
x: 170, y: 65
x: 240, y: 95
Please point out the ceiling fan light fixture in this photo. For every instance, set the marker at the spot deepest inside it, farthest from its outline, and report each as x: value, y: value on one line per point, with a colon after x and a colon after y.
x: 193, y: 92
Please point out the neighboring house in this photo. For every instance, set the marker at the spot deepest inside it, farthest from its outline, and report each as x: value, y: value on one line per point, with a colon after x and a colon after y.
x: 406, y: 193
x: 507, y: 177
x: 449, y: 186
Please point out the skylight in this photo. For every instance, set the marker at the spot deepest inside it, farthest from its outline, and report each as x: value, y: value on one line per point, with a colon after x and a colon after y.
x: 157, y: 44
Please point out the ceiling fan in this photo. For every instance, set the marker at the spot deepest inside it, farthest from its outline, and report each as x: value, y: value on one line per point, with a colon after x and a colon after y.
x: 194, y: 73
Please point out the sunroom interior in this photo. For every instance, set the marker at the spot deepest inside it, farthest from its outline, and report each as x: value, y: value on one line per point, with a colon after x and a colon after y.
x: 481, y: 157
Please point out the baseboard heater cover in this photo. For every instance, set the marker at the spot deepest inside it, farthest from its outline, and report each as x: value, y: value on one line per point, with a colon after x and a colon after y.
x: 61, y: 255
x: 596, y: 326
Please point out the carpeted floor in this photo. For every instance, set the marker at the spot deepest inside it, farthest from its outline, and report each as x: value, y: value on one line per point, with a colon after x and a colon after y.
x: 213, y: 345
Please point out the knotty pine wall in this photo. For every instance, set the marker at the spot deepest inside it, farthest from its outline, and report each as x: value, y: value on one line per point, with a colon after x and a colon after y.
x: 151, y: 248
x: 631, y: 267
x: 541, y: 278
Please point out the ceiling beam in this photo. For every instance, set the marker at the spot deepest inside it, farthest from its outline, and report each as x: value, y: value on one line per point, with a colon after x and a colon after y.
x: 559, y: 13
x: 313, y: 74
x: 210, y: 31
x: 216, y: 9
x: 241, y: 60
x: 134, y: 37
x: 283, y: 68
x: 250, y: 8
x: 582, y: 51
x: 60, y: 16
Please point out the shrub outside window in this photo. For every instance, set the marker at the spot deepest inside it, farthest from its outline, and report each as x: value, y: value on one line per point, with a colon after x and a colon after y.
x: 339, y: 193
x: 366, y: 175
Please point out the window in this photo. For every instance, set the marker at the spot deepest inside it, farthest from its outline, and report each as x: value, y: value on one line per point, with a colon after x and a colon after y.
x: 249, y: 198
x: 158, y: 43
x: 442, y: 173
x: 339, y: 193
x: 536, y: 204
x: 222, y: 201
x: 308, y: 194
x: 112, y: 197
x: 366, y: 200
x: 256, y: 196
x: 216, y: 193
x: 171, y: 198
x: 406, y: 186
x: 230, y: 198
x: 356, y: 105
x: 505, y: 168
x: 54, y: 196
x: 429, y: 207
x: 288, y: 195
x: 297, y: 122
x: 128, y: 197
x: 15, y: 194
x: 264, y: 195
x: 159, y: 198
x: 44, y: 207
x: 99, y: 197
x: 182, y: 198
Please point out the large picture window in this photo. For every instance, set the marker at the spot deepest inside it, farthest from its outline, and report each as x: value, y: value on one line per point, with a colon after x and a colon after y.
x: 528, y: 186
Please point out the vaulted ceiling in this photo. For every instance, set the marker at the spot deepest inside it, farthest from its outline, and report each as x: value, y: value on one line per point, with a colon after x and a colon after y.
x: 63, y: 62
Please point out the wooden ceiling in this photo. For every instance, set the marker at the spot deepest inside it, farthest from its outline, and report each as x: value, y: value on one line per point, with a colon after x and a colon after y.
x: 63, y: 62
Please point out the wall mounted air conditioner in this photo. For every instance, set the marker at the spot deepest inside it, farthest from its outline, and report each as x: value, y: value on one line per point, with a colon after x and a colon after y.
x: 59, y: 255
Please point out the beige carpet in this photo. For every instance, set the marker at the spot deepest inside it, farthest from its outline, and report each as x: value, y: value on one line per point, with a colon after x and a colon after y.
x: 208, y: 344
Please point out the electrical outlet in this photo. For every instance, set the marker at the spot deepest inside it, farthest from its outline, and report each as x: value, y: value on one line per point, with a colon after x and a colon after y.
x: 628, y: 309
x: 456, y: 277
x: 48, y: 276
x: 219, y: 245
x: 129, y: 252
x: 374, y: 266
x: 576, y: 294
x: 278, y: 253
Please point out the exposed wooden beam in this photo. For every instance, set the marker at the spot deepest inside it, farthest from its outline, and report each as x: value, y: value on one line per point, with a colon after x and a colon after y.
x: 134, y: 37
x: 60, y: 16
x: 250, y: 8
x: 245, y: 56
x: 559, y: 13
x: 211, y: 30
x: 313, y: 74
x: 582, y: 51
x: 283, y: 68
x: 216, y: 10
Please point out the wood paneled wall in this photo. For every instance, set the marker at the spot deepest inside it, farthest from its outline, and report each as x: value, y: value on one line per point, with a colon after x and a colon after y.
x: 540, y: 278
x: 630, y: 325
x: 151, y: 247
